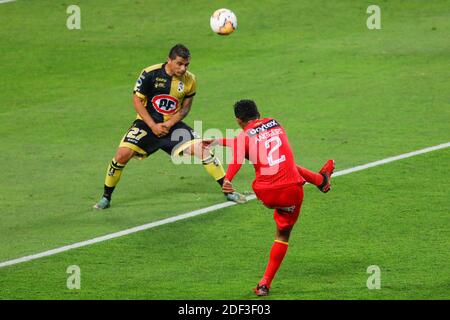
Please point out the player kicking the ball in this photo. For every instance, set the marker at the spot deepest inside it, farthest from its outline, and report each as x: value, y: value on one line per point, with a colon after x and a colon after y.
x: 279, y: 181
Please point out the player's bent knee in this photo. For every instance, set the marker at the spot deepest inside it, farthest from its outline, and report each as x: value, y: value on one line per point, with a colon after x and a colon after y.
x: 284, y: 234
x: 190, y: 150
x: 124, y: 155
x: 196, y: 149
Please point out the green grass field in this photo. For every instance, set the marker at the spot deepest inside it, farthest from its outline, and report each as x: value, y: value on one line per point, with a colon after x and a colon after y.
x: 340, y: 90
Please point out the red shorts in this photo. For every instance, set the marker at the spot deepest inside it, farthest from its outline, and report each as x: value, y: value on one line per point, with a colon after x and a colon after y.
x: 286, y: 201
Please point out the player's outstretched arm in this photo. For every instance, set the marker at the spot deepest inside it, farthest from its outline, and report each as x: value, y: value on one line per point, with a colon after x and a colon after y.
x: 227, y: 187
x: 226, y: 142
x: 240, y: 148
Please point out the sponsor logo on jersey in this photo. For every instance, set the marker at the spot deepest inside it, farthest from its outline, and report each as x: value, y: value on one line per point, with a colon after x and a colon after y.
x: 165, y: 104
x: 263, y: 127
x: 159, y: 85
x: 160, y: 82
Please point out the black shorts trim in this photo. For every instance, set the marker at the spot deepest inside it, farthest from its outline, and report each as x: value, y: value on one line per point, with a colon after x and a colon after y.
x: 140, y: 135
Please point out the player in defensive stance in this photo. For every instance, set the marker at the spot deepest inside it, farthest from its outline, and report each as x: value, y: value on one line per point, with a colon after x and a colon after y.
x: 279, y: 181
x: 162, y: 98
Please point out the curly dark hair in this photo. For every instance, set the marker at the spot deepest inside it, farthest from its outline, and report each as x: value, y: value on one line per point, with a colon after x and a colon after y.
x: 246, y: 110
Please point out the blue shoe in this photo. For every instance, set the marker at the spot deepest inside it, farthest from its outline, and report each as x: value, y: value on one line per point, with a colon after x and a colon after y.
x: 236, y: 197
x: 102, y: 204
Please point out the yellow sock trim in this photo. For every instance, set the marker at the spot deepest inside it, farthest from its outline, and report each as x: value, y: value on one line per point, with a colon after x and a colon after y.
x: 214, y: 168
x: 113, y: 173
x: 279, y: 241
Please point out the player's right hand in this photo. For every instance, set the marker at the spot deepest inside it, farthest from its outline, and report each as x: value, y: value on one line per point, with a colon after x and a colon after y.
x: 160, y: 130
x: 227, y: 187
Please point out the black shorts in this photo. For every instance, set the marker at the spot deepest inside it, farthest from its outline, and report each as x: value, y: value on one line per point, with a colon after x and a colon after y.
x: 141, y: 139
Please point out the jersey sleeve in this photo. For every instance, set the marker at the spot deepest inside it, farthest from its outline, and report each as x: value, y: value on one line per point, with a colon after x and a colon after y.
x: 226, y: 142
x: 144, y: 85
x: 240, y: 149
x: 192, y: 88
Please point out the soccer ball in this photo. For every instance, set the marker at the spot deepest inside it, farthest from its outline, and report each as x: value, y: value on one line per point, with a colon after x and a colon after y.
x: 223, y: 22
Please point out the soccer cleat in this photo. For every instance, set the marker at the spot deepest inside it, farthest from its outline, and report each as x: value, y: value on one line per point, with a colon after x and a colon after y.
x: 261, y: 290
x: 102, y: 204
x: 236, y: 197
x: 326, y: 172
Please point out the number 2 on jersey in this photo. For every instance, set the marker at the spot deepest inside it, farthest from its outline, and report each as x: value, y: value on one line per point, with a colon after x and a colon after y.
x: 278, y: 143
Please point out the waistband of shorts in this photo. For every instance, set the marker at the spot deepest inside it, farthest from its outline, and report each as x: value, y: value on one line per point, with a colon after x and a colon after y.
x: 279, y: 186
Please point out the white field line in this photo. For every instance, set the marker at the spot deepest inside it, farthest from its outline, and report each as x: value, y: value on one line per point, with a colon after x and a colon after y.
x: 202, y: 211
x: 6, y: 1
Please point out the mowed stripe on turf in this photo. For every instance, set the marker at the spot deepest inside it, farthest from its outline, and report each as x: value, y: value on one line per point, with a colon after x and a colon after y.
x: 204, y: 210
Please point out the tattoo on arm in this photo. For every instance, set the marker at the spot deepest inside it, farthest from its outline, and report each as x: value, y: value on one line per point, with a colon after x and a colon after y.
x: 185, y: 109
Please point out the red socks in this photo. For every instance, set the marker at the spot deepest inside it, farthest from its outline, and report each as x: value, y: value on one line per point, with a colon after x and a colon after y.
x: 277, y: 254
x: 311, y: 177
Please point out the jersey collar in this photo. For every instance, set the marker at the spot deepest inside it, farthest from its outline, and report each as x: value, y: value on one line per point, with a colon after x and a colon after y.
x: 251, y: 123
x: 164, y: 70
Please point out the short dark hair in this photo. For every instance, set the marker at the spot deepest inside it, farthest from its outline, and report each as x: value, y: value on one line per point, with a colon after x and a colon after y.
x: 246, y: 110
x: 180, y: 51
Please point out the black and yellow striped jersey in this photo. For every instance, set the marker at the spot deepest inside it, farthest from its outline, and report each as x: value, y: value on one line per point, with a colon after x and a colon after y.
x: 163, y: 95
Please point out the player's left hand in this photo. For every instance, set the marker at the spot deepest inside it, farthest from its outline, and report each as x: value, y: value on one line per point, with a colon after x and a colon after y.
x: 227, y: 187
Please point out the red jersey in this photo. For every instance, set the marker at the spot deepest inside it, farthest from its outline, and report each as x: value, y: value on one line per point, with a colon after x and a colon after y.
x: 264, y: 142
